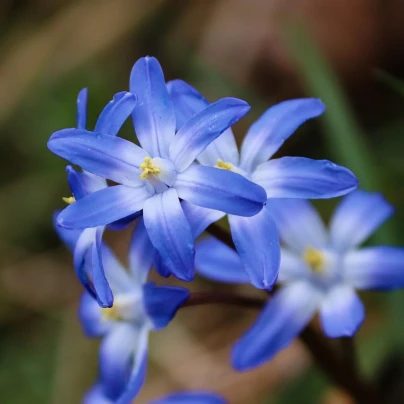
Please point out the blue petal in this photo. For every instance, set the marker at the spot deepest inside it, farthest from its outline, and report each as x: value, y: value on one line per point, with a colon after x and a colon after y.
x: 342, y: 312
x: 96, y: 395
x: 298, y: 223
x: 153, y: 117
x: 200, y: 218
x: 170, y: 233
x: 257, y: 241
x: 375, y: 268
x: 138, y: 373
x: 193, y: 397
x: 118, y: 277
x: 107, y: 156
x: 75, y: 183
x: 199, y: 131
x: 162, y: 302
x: 269, y: 132
x: 115, y: 113
x: 299, y: 177
x: 141, y: 253
x: 122, y: 224
x: 187, y: 102
x: 90, y: 315
x: 103, y: 207
x: 105, y: 297
x: 279, y: 323
x: 217, y: 261
x: 82, y: 259
x: 160, y: 267
x: 85, y: 183
x: 82, y: 109
x: 357, y: 217
x: 68, y: 236
x: 221, y: 190
x: 116, y: 351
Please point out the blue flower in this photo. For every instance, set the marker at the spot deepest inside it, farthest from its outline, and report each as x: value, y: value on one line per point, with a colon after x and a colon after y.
x: 86, y: 244
x: 97, y: 396
x: 153, y: 178
x: 138, y: 308
x: 320, y: 271
x: 256, y: 238
x: 88, y: 241
x: 191, y: 397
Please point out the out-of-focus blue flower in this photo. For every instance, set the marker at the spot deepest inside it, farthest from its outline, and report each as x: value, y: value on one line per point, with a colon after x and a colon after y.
x: 154, y: 177
x: 320, y: 271
x: 256, y: 238
x: 83, y: 184
x: 138, y: 308
x: 191, y: 397
x: 97, y: 396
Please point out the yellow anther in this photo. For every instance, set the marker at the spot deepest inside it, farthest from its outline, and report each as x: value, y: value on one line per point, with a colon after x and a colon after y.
x: 148, y: 168
x: 223, y: 165
x: 111, y: 313
x: 314, y: 259
x: 69, y: 200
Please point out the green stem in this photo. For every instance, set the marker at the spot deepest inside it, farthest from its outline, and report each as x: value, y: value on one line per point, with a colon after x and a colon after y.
x: 348, y: 353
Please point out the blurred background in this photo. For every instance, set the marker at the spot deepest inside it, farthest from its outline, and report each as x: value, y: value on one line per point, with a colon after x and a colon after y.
x: 350, y: 53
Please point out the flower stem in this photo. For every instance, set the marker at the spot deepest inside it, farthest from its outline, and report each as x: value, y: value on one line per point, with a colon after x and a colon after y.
x: 348, y: 353
x: 202, y: 298
x: 342, y: 374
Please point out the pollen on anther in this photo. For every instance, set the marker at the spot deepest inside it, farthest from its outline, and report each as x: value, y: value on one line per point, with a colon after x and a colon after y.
x: 110, y: 313
x: 148, y: 168
x: 223, y: 165
x: 69, y: 200
x: 314, y: 259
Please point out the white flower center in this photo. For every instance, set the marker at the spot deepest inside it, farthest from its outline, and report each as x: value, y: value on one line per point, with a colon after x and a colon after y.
x: 159, y: 174
x: 127, y: 307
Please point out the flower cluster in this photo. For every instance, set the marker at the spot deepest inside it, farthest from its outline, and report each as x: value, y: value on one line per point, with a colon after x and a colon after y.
x: 187, y: 174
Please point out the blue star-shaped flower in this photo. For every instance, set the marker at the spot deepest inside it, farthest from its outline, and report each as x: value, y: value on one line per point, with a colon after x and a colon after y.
x: 97, y: 396
x: 138, y: 308
x: 256, y: 238
x: 153, y: 178
x: 319, y: 272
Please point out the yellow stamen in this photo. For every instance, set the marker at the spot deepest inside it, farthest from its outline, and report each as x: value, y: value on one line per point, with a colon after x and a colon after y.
x: 314, y: 259
x: 69, y: 200
x: 111, y: 313
x: 148, y: 168
x: 223, y: 165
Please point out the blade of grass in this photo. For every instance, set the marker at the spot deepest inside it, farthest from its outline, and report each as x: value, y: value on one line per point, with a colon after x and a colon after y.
x: 392, y: 82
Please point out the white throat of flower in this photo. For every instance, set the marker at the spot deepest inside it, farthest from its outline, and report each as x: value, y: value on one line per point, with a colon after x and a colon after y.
x: 127, y: 307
